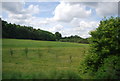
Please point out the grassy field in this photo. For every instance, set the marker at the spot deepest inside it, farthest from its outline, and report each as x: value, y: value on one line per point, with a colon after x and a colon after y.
x: 30, y: 59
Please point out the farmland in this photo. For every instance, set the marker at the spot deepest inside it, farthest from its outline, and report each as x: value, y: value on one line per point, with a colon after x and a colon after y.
x: 30, y: 59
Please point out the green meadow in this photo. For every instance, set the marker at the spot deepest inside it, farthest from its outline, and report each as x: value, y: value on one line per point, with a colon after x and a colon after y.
x: 31, y: 59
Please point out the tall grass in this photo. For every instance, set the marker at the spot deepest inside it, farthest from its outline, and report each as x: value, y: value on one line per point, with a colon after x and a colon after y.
x: 70, y: 57
x: 11, y: 52
x: 40, y: 53
x: 43, y: 58
x: 26, y: 52
x: 63, y: 74
x: 52, y: 74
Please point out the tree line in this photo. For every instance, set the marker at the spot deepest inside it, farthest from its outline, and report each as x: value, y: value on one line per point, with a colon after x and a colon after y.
x: 26, y: 32
x: 75, y: 39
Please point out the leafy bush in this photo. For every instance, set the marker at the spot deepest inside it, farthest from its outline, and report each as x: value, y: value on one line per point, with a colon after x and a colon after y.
x: 104, y: 42
x: 110, y: 69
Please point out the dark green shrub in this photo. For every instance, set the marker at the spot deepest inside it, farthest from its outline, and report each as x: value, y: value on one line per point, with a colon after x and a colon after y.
x: 104, y: 42
x: 110, y: 69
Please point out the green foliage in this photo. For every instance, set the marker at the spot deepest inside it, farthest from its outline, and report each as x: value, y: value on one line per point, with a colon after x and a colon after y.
x: 58, y: 35
x: 110, y: 69
x: 106, y: 37
x: 24, y: 32
x: 105, y: 40
x: 75, y: 39
x: 104, y: 43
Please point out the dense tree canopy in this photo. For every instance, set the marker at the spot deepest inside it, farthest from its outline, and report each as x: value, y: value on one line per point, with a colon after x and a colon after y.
x: 58, y: 35
x: 105, y: 48
x: 23, y: 32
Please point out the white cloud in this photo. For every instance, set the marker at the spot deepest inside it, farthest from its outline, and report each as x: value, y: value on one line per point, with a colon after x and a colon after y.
x: 18, y: 8
x: 78, y: 27
x: 34, y: 9
x: 66, y: 12
x: 20, y: 15
x: 103, y: 8
x: 56, y: 28
x: 83, y: 27
x: 37, y: 22
x: 107, y: 9
x: 89, y: 25
x: 13, y: 7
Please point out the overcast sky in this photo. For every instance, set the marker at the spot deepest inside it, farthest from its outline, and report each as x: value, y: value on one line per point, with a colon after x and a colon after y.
x: 68, y: 18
